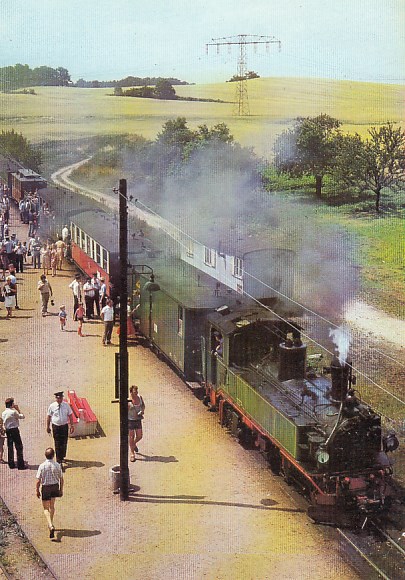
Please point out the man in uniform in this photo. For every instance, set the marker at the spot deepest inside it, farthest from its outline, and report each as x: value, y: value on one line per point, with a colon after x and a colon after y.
x: 60, y: 415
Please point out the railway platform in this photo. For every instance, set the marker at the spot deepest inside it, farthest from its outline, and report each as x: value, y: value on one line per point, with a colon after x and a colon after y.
x: 200, y: 505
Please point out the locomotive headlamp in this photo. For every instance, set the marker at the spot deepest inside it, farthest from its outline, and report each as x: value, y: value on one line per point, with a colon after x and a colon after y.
x: 322, y: 457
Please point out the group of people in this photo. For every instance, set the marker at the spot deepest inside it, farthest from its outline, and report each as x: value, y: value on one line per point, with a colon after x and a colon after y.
x: 14, y: 258
x: 59, y: 422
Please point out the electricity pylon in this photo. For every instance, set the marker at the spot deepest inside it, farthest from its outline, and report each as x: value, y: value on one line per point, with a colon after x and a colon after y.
x: 243, y: 40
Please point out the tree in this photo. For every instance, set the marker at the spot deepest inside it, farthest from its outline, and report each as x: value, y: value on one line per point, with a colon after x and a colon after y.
x: 17, y: 146
x: 164, y: 90
x: 118, y: 92
x: 175, y: 132
x: 309, y: 148
x: 249, y: 75
x: 373, y: 164
x: 63, y: 76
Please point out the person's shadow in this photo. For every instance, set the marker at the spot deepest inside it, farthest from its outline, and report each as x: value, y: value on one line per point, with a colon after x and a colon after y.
x: 84, y: 464
x: 75, y: 534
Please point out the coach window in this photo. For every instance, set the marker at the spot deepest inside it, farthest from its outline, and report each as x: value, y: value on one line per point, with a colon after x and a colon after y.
x: 82, y: 240
x: 180, y: 321
x: 190, y: 249
x: 237, y: 267
x: 104, y: 265
x: 97, y: 257
x: 88, y: 245
x: 77, y: 236
x: 209, y: 257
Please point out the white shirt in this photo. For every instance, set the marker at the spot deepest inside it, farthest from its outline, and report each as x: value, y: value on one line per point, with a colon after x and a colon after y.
x: 107, y: 313
x: 49, y: 472
x: 59, y: 413
x: 11, y: 418
x: 65, y: 234
x: 88, y: 290
x: 75, y: 286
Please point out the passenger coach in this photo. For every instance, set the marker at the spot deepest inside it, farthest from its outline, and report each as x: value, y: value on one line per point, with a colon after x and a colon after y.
x: 95, y: 246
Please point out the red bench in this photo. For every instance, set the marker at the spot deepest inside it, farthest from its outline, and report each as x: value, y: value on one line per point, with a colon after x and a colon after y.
x: 84, y: 420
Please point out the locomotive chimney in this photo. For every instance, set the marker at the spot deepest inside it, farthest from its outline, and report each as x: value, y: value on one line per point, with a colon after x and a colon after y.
x: 292, y: 360
x: 340, y: 379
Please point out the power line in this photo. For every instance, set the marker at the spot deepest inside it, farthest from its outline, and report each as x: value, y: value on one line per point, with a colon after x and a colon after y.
x: 162, y: 220
x: 243, y: 41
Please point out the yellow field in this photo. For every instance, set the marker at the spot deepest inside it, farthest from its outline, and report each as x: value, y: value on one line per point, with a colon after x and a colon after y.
x: 66, y: 113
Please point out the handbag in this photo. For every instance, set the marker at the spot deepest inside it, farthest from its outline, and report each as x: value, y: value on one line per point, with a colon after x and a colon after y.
x: 2, y: 298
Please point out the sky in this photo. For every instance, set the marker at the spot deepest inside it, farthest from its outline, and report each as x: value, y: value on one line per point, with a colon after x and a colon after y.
x: 105, y: 40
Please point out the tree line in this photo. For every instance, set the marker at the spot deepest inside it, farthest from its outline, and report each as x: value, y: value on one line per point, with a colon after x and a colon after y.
x: 129, y: 81
x: 21, y: 76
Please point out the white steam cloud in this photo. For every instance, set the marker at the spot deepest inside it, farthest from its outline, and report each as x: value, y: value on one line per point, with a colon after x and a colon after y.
x: 342, y: 340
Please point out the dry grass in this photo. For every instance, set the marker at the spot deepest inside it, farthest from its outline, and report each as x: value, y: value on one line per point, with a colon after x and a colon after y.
x: 70, y: 113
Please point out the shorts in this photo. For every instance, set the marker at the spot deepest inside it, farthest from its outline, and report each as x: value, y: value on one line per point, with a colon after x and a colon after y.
x: 50, y: 491
x: 134, y: 424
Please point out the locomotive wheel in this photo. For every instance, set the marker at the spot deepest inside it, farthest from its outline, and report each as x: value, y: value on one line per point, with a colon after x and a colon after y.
x: 245, y: 437
x: 287, y: 471
x: 274, y: 459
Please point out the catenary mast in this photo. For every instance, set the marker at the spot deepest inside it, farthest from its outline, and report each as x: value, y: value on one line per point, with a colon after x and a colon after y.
x: 243, y: 41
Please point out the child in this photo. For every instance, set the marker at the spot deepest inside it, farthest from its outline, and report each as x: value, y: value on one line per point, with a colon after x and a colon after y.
x: 62, y: 317
x: 2, y: 438
x: 79, y: 315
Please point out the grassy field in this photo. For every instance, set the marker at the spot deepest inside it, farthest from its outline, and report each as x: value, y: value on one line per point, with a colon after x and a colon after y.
x: 63, y: 118
x: 69, y: 113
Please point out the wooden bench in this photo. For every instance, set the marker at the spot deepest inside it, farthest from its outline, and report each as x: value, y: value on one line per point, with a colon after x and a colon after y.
x: 84, y: 420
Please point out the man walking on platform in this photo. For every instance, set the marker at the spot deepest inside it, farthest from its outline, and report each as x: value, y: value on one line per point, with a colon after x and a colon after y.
x: 46, y: 291
x: 11, y: 420
x: 59, y: 416
x: 50, y: 476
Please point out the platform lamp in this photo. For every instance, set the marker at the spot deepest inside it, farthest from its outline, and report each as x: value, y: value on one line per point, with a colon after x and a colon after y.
x: 151, y: 286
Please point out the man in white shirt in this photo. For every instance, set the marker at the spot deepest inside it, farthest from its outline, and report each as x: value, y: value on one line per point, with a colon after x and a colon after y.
x: 107, y: 315
x: 11, y: 421
x: 89, y: 294
x: 76, y: 288
x: 65, y: 234
x: 50, y: 476
x: 60, y: 415
x: 96, y: 284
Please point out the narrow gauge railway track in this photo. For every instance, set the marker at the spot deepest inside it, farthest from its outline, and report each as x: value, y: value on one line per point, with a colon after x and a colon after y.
x: 384, y: 556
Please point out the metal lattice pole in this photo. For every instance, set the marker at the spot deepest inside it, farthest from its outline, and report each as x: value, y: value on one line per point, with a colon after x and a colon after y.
x: 243, y: 41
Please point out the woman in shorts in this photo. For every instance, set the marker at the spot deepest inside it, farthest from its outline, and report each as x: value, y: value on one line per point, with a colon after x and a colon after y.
x: 136, y: 409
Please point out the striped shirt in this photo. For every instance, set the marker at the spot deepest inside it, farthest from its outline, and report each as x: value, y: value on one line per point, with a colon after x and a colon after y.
x: 49, y: 472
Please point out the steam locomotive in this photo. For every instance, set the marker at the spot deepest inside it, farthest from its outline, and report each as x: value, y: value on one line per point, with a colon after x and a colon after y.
x: 244, y: 354
x: 248, y: 362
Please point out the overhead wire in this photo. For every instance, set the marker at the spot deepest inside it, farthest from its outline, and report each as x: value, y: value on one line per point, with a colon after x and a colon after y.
x: 183, y: 233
